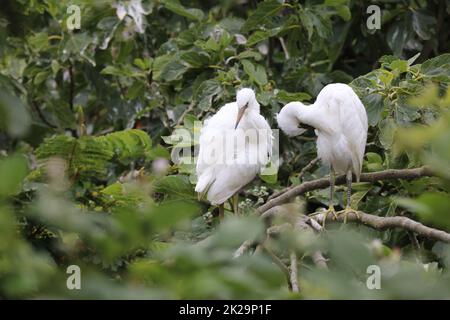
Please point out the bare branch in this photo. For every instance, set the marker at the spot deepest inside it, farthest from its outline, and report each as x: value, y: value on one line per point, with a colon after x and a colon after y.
x: 319, y: 260
x: 283, y: 46
x: 383, y: 223
x: 243, y: 248
x: 294, y: 273
x: 406, y: 174
x: 300, y: 175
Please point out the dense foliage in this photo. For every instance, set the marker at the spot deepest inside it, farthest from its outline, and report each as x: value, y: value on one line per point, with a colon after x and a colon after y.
x: 88, y: 121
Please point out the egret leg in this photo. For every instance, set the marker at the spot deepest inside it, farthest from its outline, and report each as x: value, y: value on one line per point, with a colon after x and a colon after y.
x: 348, y: 179
x: 348, y: 209
x: 330, y: 206
x: 236, y: 203
x: 221, y: 211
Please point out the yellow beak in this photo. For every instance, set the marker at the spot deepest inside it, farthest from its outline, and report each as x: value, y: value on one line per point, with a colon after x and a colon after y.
x: 240, y: 114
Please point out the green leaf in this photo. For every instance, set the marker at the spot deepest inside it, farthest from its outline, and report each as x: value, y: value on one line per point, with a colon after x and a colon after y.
x: 205, y: 93
x: 344, y: 12
x: 195, y: 59
x: 269, y: 179
x: 14, y: 117
x: 137, y: 89
x: 173, y: 71
x: 128, y: 145
x: 159, y: 152
x: 286, y: 97
x: 159, y: 64
x: 386, y: 77
x: 175, y: 187
x: 387, y: 132
x: 437, y: 67
x: 176, y: 7
x: 431, y: 207
x: 399, y: 65
x: 374, y: 161
x: 423, y: 24
x: 143, y: 64
x: 397, y: 36
x: 13, y: 170
x: 307, y: 21
x: 341, y: 7
x: 256, y: 73
x: 263, y: 12
x: 38, y: 41
x: 374, y: 106
x: 405, y: 114
x: 259, y: 36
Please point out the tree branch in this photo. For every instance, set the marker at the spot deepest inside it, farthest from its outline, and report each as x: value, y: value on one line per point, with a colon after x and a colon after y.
x: 294, y: 273
x: 71, y: 86
x: 319, y: 260
x: 383, y: 223
x: 41, y: 115
x: 243, y: 248
x: 300, y: 175
x: 278, y: 262
x: 406, y: 174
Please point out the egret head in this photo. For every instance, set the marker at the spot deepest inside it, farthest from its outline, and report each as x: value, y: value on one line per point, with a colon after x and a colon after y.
x: 289, y: 119
x: 245, y: 99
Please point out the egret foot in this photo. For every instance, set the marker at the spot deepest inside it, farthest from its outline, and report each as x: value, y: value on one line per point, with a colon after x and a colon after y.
x: 331, y: 211
x: 347, y: 211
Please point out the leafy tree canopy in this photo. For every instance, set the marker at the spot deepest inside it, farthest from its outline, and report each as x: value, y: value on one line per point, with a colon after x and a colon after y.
x: 89, y: 119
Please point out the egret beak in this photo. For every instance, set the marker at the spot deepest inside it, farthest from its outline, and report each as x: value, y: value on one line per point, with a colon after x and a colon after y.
x: 240, y: 114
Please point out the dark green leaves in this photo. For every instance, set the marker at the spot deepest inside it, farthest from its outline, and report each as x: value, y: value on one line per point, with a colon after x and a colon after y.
x: 176, y: 187
x: 14, y: 117
x: 89, y: 157
x: 263, y: 12
x: 256, y: 73
x: 286, y: 97
x: 423, y: 24
x: 374, y: 106
x: 13, y: 170
x: 431, y: 207
x: 175, y: 6
x: 259, y: 36
x: 397, y: 36
x: 438, y: 67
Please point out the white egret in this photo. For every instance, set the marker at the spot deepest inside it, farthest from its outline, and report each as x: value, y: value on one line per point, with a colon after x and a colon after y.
x: 225, y: 165
x: 340, y: 123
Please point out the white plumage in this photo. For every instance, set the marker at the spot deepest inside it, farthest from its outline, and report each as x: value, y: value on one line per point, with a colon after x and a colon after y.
x: 340, y: 123
x: 223, y: 168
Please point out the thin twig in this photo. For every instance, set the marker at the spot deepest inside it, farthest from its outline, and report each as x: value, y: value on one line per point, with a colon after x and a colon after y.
x: 278, y: 262
x: 72, y: 85
x: 285, y: 50
x: 414, y: 242
x: 41, y: 115
x: 185, y: 112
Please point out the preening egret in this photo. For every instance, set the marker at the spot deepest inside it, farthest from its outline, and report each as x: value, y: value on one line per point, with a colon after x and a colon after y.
x: 340, y: 123
x: 235, y: 144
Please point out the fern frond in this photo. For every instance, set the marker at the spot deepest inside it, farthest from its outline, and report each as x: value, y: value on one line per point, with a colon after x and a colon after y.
x: 128, y: 144
x: 89, y: 156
